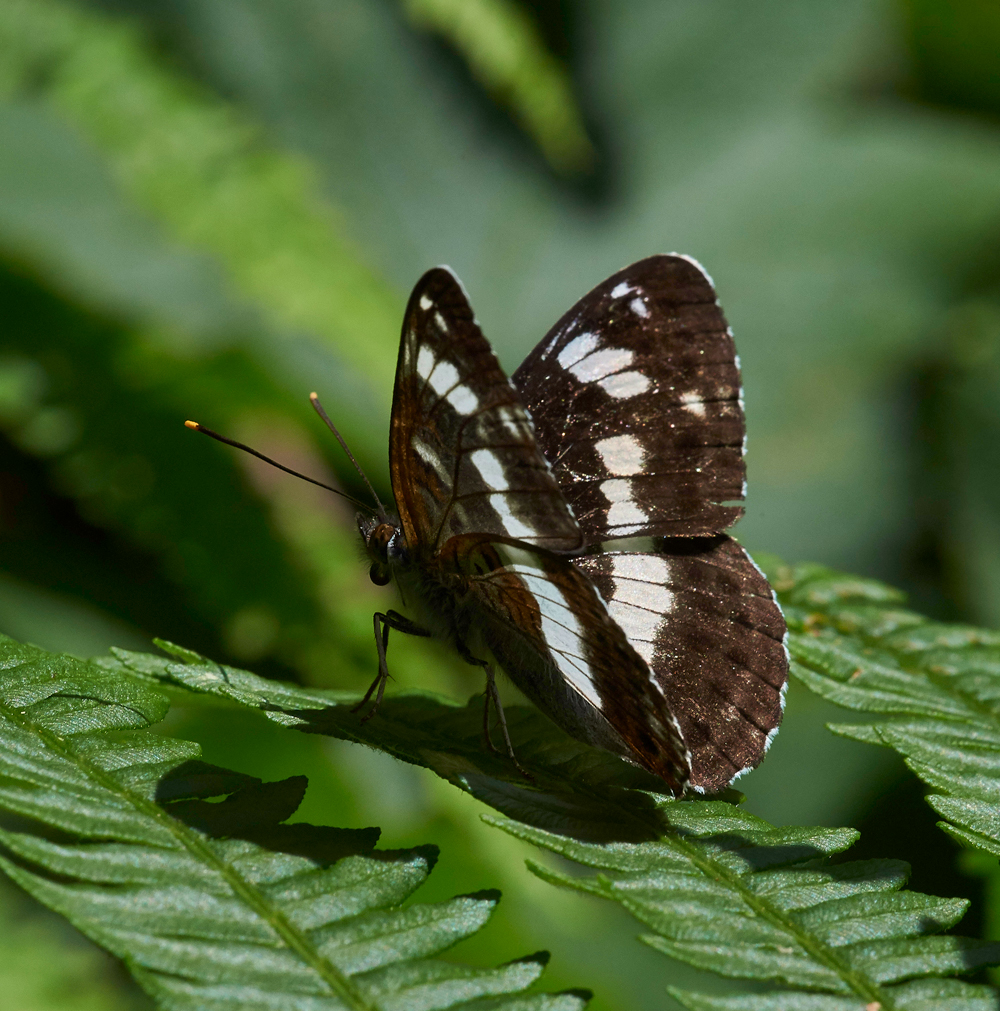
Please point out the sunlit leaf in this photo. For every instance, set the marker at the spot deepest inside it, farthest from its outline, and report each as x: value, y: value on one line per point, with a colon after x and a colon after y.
x: 506, y: 53
x: 935, y: 687
x: 719, y: 888
x: 217, y: 904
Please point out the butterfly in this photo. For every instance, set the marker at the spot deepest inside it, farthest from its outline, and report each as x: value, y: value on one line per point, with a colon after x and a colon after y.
x: 566, y: 524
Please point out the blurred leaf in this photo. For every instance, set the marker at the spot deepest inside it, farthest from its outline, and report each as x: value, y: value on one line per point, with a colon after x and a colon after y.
x: 47, y: 964
x: 58, y: 623
x: 75, y: 205
x: 961, y: 435
x: 854, y: 643
x: 196, y: 349
x: 216, y: 904
x: 133, y: 468
x: 204, y: 171
x: 508, y: 56
x: 955, y: 49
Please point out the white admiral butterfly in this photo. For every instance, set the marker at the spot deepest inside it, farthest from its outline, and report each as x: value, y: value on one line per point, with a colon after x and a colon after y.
x: 626, y: 421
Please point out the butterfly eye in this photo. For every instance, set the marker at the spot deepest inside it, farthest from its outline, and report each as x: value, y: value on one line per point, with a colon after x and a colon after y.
x: 396, y: 550
x: 379, y: 540
x: 378, y: 575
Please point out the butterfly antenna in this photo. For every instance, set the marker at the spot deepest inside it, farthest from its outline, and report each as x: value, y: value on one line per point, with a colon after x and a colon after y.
x: 194, y: 426
x: 314, y: 398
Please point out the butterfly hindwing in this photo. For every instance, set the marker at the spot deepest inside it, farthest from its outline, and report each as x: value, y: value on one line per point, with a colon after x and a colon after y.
x: 462, y: 448
x: 636, y: 397
x: 551, y: 632
x: 703, y: 617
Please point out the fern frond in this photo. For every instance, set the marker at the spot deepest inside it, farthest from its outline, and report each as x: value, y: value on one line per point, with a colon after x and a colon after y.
x: 917, y: 995
x: 725, y: 891
x: 936, y: 687
x: 576, y: 789
x: 203, y: 170
x: 719, y: 888
x: 217, y: 905
x: 505, y: 51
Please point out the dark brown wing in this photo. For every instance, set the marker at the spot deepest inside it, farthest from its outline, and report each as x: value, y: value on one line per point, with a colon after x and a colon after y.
x: 551, y: 633
x: 462, y: 449
x: 636, y: 397
x: 703, y: 617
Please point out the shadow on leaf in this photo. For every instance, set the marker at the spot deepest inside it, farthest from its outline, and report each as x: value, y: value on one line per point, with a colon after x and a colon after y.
x: 253, y: 810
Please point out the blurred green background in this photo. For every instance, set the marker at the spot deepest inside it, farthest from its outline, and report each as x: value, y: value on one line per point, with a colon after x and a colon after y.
x: 209, y: 208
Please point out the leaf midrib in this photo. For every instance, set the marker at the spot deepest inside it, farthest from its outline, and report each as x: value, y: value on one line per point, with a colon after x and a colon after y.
x: 296, y: 941
x: 822, y: 953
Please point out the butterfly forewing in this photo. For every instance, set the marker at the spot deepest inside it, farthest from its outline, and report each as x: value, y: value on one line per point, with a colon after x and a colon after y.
x: 462, y: 450
x: 703, y: 617
x: 551, y: 632
x: 637, y: 400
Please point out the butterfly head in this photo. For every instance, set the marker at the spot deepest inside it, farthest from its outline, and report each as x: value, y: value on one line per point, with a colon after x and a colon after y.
x: 385, y: 545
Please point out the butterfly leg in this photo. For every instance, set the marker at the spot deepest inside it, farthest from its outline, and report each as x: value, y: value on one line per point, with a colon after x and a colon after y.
x: 466, y: 655
x: 492, y: 696
x: 383, y: 622
x: 486, y: 714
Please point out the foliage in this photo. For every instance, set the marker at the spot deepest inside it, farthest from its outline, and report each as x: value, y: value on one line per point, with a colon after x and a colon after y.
x: 507, y: 54
x: 933, y: 685
x: 954, y: 48
x: 256, y: 209
x: 216, y: 904
x: 95, y: 400
x: 82, y: 978
x: 727, y: 892
x: 208, y: 210
x: 721, y: 889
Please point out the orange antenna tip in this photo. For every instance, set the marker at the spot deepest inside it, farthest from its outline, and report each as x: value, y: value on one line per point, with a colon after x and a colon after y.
x: 314, y: 396
x: 274, y: 463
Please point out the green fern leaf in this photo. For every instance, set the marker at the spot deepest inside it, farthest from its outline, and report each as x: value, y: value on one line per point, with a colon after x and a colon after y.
x: 217, y: 905
x: 718, y: 888
x: 577, y: 790
x: 937, y: 687
x: 725, y: 891
x: 505, y: 52
x: 917, y: 995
